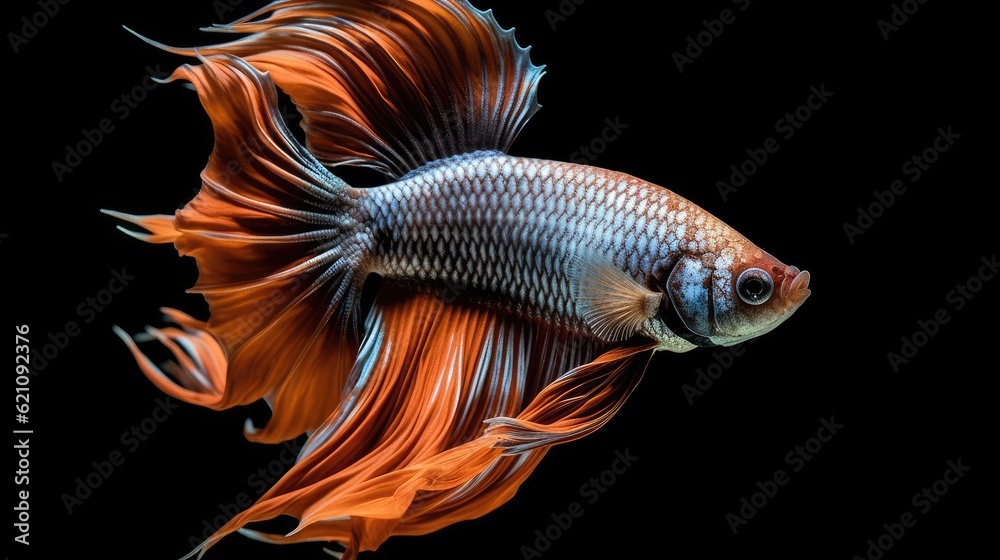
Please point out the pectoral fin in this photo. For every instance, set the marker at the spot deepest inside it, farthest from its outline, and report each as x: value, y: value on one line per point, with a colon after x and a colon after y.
x: 614, y: 306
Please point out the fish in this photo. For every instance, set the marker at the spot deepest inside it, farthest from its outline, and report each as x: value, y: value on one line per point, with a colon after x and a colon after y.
x: 435, y: 333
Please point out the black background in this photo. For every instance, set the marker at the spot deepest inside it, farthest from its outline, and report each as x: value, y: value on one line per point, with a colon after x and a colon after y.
x: 695, y: 461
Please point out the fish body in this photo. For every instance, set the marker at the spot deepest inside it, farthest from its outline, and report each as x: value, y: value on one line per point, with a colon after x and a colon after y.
x: 520, y: 232
x: 515, y: 299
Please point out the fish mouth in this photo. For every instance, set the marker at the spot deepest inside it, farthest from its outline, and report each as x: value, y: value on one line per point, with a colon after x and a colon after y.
x: 795, y: 286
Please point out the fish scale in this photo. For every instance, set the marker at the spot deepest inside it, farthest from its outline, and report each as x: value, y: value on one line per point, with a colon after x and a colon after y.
x: 452, y: 224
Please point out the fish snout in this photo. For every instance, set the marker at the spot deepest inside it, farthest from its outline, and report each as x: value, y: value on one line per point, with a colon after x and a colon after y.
x: 795, y: 285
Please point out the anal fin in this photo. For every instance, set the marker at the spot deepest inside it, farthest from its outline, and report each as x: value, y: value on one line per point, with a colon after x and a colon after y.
x: 449, y: 409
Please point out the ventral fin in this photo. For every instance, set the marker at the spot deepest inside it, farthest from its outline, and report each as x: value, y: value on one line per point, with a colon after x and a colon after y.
x: 614, y: 305
x: 390, y: 85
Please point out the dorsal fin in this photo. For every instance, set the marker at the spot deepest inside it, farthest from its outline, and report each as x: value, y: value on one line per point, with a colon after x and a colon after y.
x: 390, y: 85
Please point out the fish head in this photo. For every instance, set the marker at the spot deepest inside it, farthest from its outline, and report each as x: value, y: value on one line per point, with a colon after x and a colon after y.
x: 725, y: 298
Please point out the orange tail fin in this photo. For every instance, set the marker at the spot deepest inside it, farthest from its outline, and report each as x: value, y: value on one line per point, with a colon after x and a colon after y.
x: 275, y: 237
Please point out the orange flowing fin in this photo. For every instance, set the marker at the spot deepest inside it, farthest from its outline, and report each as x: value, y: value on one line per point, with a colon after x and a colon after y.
x: 198, y: 375
x: 387, y: 84
x: 406, y: 453
x: 162, y: 227
x: 576, y: 404
x: 276, y: 239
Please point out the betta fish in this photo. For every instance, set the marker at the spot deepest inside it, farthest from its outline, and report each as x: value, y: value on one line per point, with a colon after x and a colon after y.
x: 435, y: 334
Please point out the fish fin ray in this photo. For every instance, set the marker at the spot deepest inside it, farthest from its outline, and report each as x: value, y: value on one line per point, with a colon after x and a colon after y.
x: 613, y: 305
x: 576, y: 404
x: 395, y: 91
x: 275, y: 226
x: 408, y: 450
x: 162, y: 227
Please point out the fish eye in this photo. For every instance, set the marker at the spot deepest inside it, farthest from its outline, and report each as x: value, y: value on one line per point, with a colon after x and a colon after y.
x: 754, y: 286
